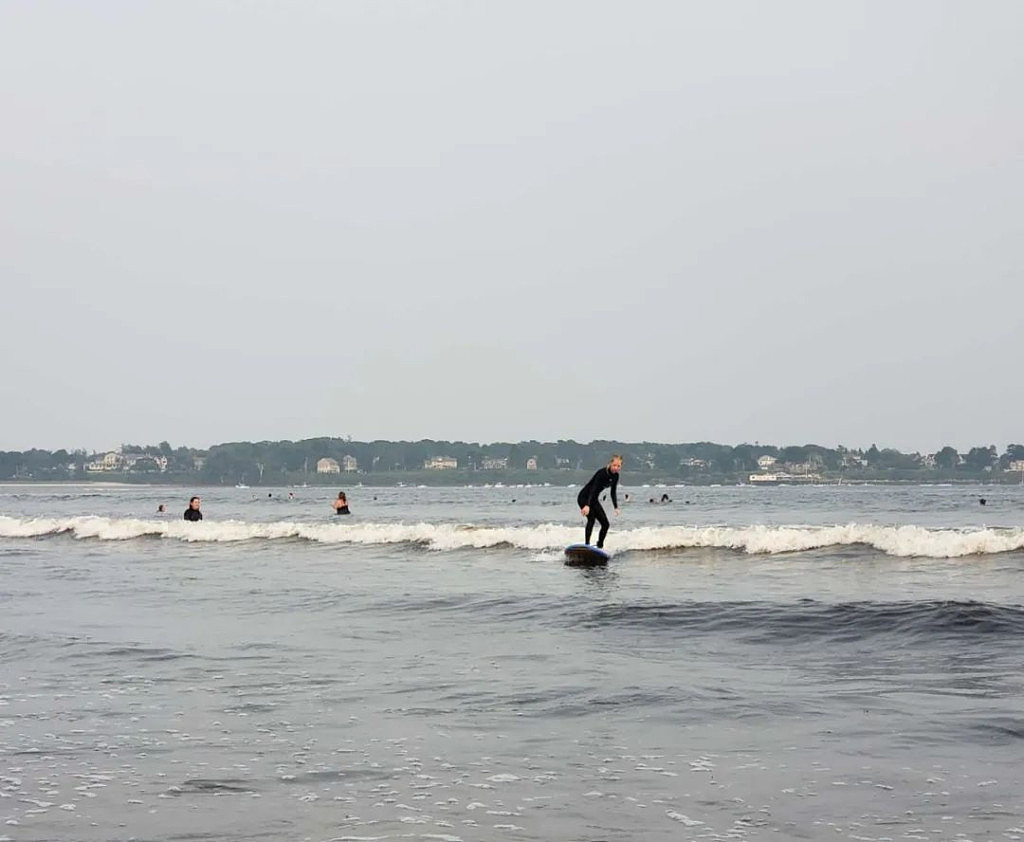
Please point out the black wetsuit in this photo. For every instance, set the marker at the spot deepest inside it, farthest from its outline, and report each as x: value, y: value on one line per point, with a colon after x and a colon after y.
x: 590, y: 496
x: 193, y: 514
x: 342, y: 510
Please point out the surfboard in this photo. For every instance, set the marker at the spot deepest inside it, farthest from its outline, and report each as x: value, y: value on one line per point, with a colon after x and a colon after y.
x: 585, y: 555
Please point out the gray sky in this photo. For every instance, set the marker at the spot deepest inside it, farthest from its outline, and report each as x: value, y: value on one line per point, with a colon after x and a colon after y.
x: 786, y: 222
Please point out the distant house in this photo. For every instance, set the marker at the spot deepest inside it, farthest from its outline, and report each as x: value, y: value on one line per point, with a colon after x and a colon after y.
x: 144, y: 462
x: 328, y: 466
x: 1016, y: 465
x: 108, y: 462
x: 494, y: 463
x: 349, y: 464
x: 766, y: 462
x: 531, y: 463
x: 440, y: 463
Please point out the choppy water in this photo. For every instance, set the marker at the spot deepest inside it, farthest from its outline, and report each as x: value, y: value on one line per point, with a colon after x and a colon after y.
x: 806, y: 663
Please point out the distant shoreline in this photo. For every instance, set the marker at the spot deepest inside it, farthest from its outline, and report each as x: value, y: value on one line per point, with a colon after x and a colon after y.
x: 340, y: 462
x: 629, y: 482
x: 57, y: 483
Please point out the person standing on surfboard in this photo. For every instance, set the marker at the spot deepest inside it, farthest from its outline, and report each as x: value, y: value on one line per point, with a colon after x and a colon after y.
x: 590, y: 503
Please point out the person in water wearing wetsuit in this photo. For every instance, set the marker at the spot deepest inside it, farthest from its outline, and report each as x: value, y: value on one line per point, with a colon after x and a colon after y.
x: 590, y: 503
x: 192, y: 512
x: 341, y: 504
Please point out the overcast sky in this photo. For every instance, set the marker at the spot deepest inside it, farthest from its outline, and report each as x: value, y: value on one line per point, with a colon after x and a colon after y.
x: 784, y: 222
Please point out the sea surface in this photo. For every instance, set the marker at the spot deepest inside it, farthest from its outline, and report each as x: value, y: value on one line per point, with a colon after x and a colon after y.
x: 841, y: 662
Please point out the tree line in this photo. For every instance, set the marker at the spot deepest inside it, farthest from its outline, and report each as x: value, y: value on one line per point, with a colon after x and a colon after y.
x: 387, y: 462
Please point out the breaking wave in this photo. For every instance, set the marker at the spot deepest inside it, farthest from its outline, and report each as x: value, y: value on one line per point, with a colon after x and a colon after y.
x: 903, y: 541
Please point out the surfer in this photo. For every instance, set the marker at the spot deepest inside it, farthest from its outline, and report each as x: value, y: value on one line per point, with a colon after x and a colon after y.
x: 589, y: 498
x: 192, y: 512
x: 341, y: 504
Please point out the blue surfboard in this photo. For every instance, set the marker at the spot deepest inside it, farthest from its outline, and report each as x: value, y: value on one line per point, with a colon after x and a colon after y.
x: 585, y: 555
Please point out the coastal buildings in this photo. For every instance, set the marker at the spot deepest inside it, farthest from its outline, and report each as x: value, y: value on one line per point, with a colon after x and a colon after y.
x: 440, y: 463
x: 448, y: 462
x: 327, y: 465
x: 118, y: 460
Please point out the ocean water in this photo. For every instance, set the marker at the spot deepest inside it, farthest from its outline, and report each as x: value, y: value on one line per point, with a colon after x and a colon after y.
x: 754, y: 663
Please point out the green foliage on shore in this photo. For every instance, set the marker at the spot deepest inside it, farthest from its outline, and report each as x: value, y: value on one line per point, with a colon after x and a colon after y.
x: 563, y: 462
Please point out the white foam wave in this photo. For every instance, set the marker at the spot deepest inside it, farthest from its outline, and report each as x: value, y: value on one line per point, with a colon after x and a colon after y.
x: 901, y: 541
x: 904, y: 541
x: 443, y: 536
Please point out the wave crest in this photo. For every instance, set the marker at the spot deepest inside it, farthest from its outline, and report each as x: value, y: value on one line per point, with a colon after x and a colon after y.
x: 902, y: 541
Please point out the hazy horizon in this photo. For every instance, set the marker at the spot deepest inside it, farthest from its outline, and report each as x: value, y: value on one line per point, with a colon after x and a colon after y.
x: 795, y: 222
x: 1001, y: 448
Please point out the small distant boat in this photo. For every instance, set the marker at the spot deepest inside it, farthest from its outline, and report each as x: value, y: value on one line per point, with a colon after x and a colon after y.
x: 241, y: 483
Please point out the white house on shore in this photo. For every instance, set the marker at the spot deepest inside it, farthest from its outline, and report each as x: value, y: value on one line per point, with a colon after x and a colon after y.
x: 328, y: 466
x: 118, y: 460
x: 441, y: 463
x: 111, y: 461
